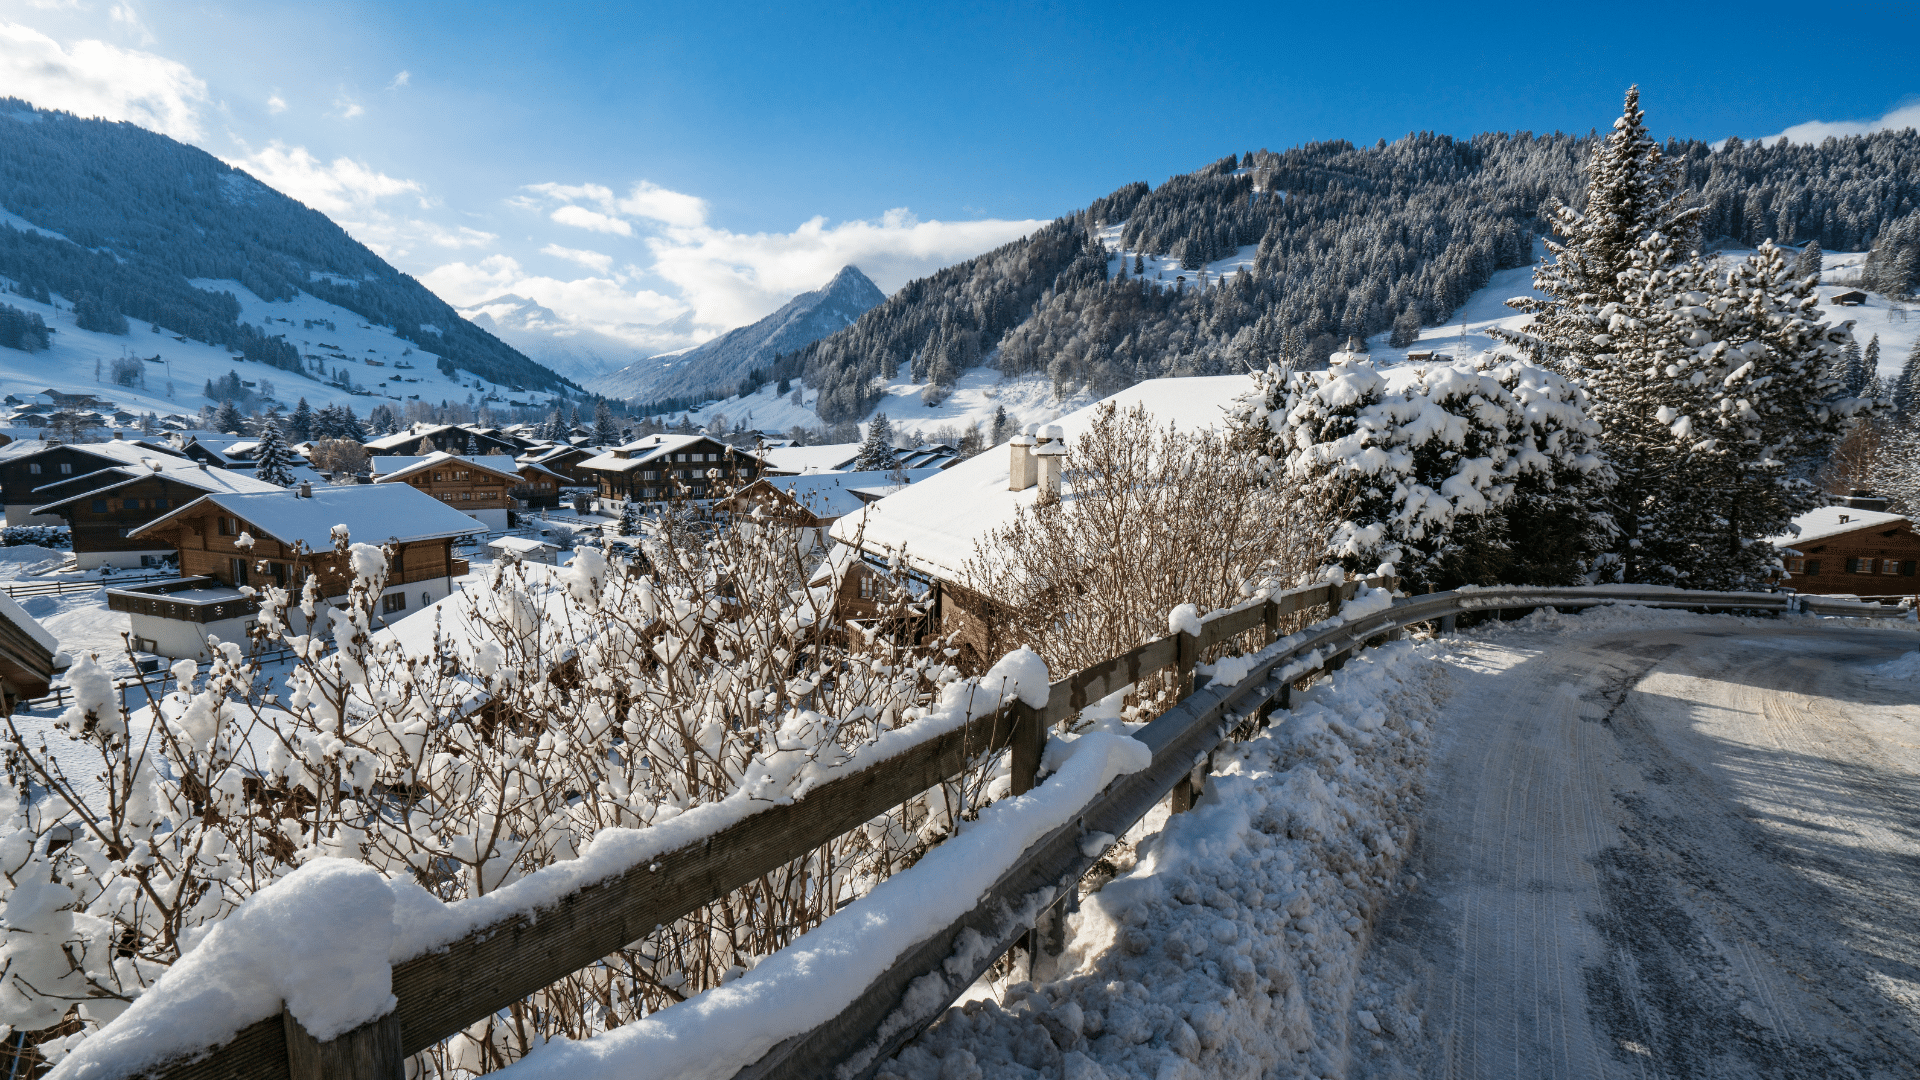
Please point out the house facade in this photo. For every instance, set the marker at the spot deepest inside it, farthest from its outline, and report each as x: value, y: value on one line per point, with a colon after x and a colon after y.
x: 1855, y: 548
x: 424, y: 439
x: 284, y: 538
x: 652, y: 468
x: 479, y: 487
x: 105, y: 509
x: 29, y: 656
x: 27, y: 466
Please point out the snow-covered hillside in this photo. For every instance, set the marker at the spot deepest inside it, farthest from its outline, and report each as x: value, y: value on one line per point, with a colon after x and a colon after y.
x: 372, y: 356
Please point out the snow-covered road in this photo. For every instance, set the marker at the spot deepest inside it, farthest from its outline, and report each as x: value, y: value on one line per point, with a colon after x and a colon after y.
x: 1689, y: 849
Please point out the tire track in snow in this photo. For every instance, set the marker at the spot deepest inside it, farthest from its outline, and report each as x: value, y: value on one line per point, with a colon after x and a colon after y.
x: 1672, y: 851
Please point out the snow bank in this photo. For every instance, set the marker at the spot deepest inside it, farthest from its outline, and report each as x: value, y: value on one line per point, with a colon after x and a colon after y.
x: 1906, y: 667
x: 723, y: 1030
x: 318, y: 940
x: 1229, y: 943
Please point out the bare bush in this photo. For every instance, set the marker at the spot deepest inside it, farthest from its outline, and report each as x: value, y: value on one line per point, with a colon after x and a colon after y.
x: 462, y: 750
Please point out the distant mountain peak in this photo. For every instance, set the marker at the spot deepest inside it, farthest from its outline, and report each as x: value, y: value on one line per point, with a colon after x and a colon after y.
x: 716, y: 366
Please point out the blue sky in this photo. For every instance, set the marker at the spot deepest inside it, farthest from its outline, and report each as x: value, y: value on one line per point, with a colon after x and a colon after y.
x: 660, y: 172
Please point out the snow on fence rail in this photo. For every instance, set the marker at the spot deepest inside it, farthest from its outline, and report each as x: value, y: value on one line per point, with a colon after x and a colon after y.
x: 657, y: 875
x: 18, y: 589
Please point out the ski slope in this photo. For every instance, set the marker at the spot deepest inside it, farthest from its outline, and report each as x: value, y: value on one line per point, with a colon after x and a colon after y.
x: 69, y: 364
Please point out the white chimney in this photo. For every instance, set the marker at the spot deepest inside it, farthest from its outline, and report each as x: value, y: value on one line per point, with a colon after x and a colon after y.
x: 1049, y: 456
x: 306, y: 489
x: 1021, y: 470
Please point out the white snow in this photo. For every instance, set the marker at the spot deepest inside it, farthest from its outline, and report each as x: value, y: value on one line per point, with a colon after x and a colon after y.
x: 938, y: 521
x: 1906, y: 667
x: 317, y: 939
x: 1184, y: 619
x: 1827, y: 521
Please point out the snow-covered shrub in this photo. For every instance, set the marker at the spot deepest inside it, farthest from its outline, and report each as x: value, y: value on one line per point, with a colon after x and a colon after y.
x: 465, y: 747
x: 1470, y: 472
x: 1158, y: 518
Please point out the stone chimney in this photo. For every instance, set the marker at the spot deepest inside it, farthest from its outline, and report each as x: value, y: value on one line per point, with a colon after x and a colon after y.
x: 1022, y: 472
x: 1050, y: 454
x: 306, y: 489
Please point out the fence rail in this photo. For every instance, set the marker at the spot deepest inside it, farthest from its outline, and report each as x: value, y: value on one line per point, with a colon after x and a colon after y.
x: 448, y: 989
x: 18, y: 589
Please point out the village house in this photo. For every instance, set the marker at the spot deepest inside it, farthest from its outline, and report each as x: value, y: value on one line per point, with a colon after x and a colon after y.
x: 1854, y: 547
x: 475, y: 486
x: 230, y: 541
x: 648, y: 469
x: 812, y: 503
x: 104, y: 509
x: 29, y: 465
x: 565, y: 459
x: 29, y: 656
x: 422, y: 439
x: 931, y: 529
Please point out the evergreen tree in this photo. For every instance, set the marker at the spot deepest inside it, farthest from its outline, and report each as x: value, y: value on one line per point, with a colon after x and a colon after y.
x: 1852, y: 368
x: 1139, y: 264
x: 1002, y: 427
x: 350, y: 425
x: 1869, y: 363
x: 605, y: 433
x: 227, y: 418
x: 473, y: 445
x: 631, y: 518
x: 1906, y: 389
x: 300, y: 424
x: 876, y: 453
x: 381, y: 421
x: 273, y: 462
x: 1810, y: 262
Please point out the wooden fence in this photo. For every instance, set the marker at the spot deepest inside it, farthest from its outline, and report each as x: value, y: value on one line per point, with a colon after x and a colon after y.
x: 448, y: 989
x: 18, y: 589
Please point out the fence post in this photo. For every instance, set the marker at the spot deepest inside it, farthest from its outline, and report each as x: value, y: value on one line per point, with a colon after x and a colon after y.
x: 368, y: 1052
x: 1188, y: 654
x: 1446, y: 623
x: 1029, y: 742
x: 1271, y: 612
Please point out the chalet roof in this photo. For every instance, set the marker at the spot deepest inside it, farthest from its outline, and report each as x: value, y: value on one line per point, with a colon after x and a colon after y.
x: 832, y: 495
x: 526, y: 545
x: 651, y: 449
x: 178, y: 470
x: 939, y: 520
x: 1825, y: 522
x: 804, y: 459
x: 12, y: 612
x: 121, y: 450
x: 371, y: 513
x: 405, y: 467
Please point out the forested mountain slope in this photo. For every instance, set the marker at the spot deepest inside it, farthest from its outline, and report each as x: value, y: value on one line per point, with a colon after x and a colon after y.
x: 1327, y: 240
x: 145, y: 215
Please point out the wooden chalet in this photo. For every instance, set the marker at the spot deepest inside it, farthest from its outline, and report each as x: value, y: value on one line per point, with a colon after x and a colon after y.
x: 105, y: 508
x: 1855, y: 548
x: 423, y: 439
x: 652, y: 468
x: 29, y: 656
x: 815, y: 501
x: 478, y: 487
x: 1850, y: 298
x: 564, y: 459
x: 29, y: 465
x: 284, y: 538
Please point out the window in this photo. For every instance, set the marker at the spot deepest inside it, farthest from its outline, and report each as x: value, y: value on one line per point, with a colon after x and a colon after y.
x: 1813, y: 567
x: 226, y: 525
x: 1889, y: 566
x: 1908, y: 568
x: 466, y: 496
x: 393, y: 602
x: 34, y: 469
x: 1795, y: 566
x: 1855, y: 566
x: 99, y: 506
x: 159, y: 504
x: 66, y: 470
x: 426, y: 599
x: 238, y: 569
x: 131, y: 504
x: 461, y: 475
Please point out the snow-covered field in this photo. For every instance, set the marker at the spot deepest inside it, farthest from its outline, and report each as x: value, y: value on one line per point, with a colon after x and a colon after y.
x: 69, y: 364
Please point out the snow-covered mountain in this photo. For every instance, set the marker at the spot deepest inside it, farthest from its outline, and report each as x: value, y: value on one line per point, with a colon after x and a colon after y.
x: 718, y: 364
x: 580, y: 353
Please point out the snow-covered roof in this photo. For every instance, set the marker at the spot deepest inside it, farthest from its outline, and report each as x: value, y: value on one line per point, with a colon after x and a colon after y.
x: 17, y: 615
x: 371, y: 513
x: 1828, y: 521
x: 939, y: 520
x: 831, y: 495
x: 804, y: 459
x: 643, y: 451
x: 401, y: 471
x: 179, y: 470
x: 523, y: 544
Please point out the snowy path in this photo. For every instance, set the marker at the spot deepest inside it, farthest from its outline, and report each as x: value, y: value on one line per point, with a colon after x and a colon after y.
x: 1685, y: 850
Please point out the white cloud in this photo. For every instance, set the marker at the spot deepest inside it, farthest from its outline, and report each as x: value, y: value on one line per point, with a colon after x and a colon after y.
x: 348, y: 108
x: 1813, y: 131
x: 400, y: 80
x: 276, y: 104
x: 129, y: 18
x: 582, y: 218
x: 94, y: 78
x: 343, y: 187
x: 597, y: 303
x: 730, y: 279
x: 653, y: 201
x: 592, y: 260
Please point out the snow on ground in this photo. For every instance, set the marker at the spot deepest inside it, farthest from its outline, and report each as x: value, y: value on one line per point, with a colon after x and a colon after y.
x: 1028, y: 399
x: 68, y: 365
x: 1227, y: 943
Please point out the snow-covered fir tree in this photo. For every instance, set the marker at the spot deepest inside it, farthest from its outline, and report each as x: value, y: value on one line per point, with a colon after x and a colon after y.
x: 273, y: 462
x: 632, y: 518
x: 876, y: 453
x: 1810, y: 263
x: 1474, y: 472
x: 227, y: 418
x: 473, y: 445
x: 605, y: 431
x: 300, y: 423
x: 1906, y: 387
